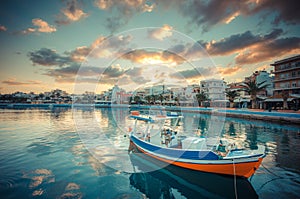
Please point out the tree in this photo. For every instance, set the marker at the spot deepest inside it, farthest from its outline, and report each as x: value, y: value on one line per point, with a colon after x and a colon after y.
x: 137, y: 99
x: 232, y: 94
x: 252, y: 89
x: 285, y: 96
x: 202, y: 97
x: 161, y: 98
x: 148, y: 98
x: 154, y: 98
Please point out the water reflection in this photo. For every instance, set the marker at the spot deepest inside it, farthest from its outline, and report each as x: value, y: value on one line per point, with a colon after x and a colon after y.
x: 231, y: 129
x: 175, y: 182
x: 287, y: 154
x: 252, y: 137
x: 42, y: 155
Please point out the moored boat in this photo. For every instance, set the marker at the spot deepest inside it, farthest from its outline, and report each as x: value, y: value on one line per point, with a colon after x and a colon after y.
x: 166, y: 145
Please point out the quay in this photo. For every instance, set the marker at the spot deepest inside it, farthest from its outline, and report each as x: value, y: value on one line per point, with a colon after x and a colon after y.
x: 280, y: 116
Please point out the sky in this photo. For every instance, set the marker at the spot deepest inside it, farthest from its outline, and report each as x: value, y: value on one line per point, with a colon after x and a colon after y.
x: 78, y: 45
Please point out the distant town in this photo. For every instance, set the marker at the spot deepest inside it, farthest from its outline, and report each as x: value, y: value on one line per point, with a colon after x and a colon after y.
x: 279, y: 89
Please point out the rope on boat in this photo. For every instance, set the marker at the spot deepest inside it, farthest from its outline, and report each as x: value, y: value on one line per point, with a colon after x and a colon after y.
x: 234, y: 180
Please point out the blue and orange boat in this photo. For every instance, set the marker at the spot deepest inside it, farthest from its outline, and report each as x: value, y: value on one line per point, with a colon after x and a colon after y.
x: 170, y: 147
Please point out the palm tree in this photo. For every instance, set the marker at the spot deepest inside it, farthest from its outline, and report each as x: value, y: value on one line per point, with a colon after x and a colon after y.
x: 285, y: 96
x: 201, y: 97
x: 252, y: 89
x: 161, y: 98
x: 232, y: 94
x: 154, y: 98
x: 137, y: 99
x: 148, y: 98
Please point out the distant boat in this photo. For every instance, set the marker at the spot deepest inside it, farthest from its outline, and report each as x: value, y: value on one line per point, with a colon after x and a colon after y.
x: 165, y: 145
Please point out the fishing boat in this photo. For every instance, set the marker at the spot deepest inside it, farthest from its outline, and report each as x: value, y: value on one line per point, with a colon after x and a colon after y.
x: 191, y: 152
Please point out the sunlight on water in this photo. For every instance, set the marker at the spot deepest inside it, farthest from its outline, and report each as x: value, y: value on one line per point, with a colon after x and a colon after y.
x: 42, y: 154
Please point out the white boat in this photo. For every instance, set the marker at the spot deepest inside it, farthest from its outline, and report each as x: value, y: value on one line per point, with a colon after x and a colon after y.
x: 166, y: 145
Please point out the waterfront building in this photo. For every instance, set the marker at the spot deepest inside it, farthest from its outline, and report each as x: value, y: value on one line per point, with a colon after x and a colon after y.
x: 243, y: 98
x: 287, y: 75
x: 215, y: 88
x: 287, y: 81
x: 119, y: 96
x: 264, y: 76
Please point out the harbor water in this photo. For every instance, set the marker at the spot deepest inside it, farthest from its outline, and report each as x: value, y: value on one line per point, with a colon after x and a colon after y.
x: 45, y: 153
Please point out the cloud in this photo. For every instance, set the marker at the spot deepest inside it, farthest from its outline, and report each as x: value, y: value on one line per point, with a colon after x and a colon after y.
x: 238, y: 42
x: 287, y: 11
x: 41, y: 26
x: 125, y: 9
x: 192, y: 73
x: 3, y: 28
x: 226, y: 12
x: 228, y: 71
x: 14, y: 82
x: 68, y: 73
x: 26, y: 31
x: 207, y: 14
x: 248, y: 47
x: 101, y: 47
x: 114, y: 71
x: 153, y: 57
x: 48, y: 57
x: 71, y: 13
x: 161, y: 33
x: 268, y: 51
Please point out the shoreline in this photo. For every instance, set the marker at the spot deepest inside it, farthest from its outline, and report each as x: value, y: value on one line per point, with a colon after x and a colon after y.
x: 282, y: 117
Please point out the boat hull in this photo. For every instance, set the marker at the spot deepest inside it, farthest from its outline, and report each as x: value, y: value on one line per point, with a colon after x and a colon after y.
x: 236, y: 167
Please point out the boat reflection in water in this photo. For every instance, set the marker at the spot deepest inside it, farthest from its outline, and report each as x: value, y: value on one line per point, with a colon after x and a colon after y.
x: 173, y: 182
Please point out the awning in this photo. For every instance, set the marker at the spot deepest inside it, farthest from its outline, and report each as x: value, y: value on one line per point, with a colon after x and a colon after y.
x: 277, y: 100
x: 241, y: 100
x: 295, y: 95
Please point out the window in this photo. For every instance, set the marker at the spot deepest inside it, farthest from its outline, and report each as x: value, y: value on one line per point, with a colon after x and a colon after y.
x: 294, y: 84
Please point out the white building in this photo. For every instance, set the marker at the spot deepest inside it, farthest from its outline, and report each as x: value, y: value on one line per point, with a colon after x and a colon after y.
x: 264, y: 76
x: 215, y: 89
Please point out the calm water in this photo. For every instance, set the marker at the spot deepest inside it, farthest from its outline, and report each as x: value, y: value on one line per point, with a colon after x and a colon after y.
x: 58, y: 153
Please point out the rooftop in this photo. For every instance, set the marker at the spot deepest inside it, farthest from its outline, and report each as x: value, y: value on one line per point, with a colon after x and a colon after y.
x: 286, y: 60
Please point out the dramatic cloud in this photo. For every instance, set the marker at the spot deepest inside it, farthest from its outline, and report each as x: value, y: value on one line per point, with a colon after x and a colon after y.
x: 247, y: 47
x: 124, y: 9
x: 212, y: 12
x: 68, y: 74
x: 153, y: 57
x: 3, y: 28
x: 14, y: 82
x: 269, y: 50
x: 101, y: 47
x: 287, y: 11
x: 228, y: 71
x: 192, y: 73
x: 48, y: 57
x: 114, y: 71
x: 71, y: 13
x: 161, y: 33
x: 238, y: 42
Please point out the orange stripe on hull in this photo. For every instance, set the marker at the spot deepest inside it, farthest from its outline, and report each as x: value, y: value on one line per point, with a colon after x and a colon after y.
x: 246, y: 169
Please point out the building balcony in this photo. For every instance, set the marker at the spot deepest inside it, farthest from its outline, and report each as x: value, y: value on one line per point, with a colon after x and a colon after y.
x: 286, y: 79
x: 290, y: 68
x: 287, y: 88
